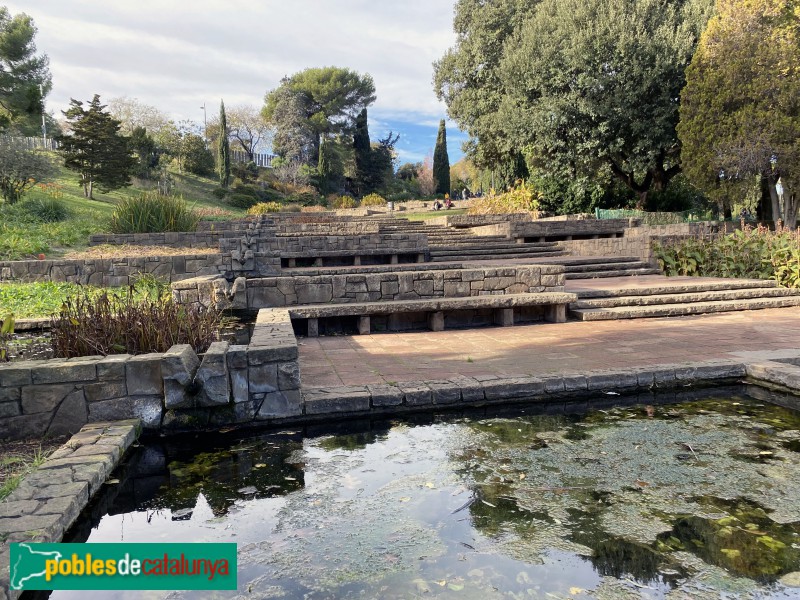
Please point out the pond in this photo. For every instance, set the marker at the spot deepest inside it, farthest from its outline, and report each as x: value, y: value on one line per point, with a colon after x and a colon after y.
x: 656, y: 500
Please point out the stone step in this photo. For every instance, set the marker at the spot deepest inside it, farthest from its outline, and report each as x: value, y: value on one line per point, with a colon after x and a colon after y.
x: 599, y: 260
x: 483, y: 256
x: 615, y: 273
x: 674, y: 310
x: 586, y: 268
x: 684, y: 287
x: 492, y: 251
x: 686, y: 297
x: 490, y: 246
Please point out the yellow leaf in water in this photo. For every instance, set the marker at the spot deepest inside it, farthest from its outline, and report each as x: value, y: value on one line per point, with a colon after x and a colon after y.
x: 405, y: 499
x: 521, y: 476
x: 576, y: 590
x: 260, y: 466
x: 441, y: 583
x: 429, y: 485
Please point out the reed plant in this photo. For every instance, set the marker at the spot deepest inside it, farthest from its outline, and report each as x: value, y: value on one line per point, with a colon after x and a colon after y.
x: 152, y: 212
x: 130, y: 323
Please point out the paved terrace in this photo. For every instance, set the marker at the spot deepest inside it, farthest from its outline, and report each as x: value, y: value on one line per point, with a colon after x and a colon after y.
x: 545, y: 348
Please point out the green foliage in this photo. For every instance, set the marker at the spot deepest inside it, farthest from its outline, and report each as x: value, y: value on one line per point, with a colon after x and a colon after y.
x: 343, y: 202
x: 197, y: 159
x: 6, y: 331
x: 740, y: 117
x: 373, y: 200
x: 151, y: 212
x: 441, y: 163
x: 20, y: 168
x: 312, y: 103
x: 219, y: 193
x: 521, y: 198
x: 750, y: 253
x: 21, y: 70
x: 263, y: 208
x: 95, y: 149
x: 46, y: 209
x: 243, y: 201
x: 88, y: 325
x: 223, y: 149
x: 361, y: 153
x: 147, y: 153
x: 304, y: 198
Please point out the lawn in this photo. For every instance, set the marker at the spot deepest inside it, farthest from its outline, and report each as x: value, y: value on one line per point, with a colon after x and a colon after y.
x: 421, y: 216
x: 41, y: 299
x: 23, y: 235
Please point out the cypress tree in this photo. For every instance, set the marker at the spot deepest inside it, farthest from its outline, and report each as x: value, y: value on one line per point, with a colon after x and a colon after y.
x: 362, y: 153
x: 224, y: 149
x: 324, y: 166
x: 441, y: 163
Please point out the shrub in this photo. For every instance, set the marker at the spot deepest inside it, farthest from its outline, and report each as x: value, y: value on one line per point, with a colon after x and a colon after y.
x: 197, y: 159
x: 244, y: 201
x: 521, y: 198
x: 263, y: 208
x: 757, y: 253
x: 401, y: 196
x: 127, y: 324
x: 219, y: 193
x: 152, y: 212
x: 6, y: 331
x: 21, y: 168
x: 344, y: 202
x: 293, y: 208
x: 373, y: 200
x: 304, y: 198
x: 213, y: 213
x: 46, y: 210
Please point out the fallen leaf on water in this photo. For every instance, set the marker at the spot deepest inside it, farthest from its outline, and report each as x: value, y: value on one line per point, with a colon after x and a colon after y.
x: 260, y: 466
x: 441, y: 583
x: 576, y: 590
x: 488, y: 504
x: 405, y: 499
x: 429, y: 485
x: 521, y: 476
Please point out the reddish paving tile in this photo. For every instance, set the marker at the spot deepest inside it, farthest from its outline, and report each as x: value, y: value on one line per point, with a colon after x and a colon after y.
x: 544, y: 347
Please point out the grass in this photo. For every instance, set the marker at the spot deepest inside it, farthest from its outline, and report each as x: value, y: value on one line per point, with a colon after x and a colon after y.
x: 44, y: 298
x: 22, y: 237
x: 17, y: 459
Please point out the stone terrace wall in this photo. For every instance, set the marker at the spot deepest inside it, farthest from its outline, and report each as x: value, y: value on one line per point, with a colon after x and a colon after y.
x: 230, y: 384
x: 333, y: 228
x: 477, y: 220
x: 114, y: 272
x: 257, y: 293
x: 189, y: 239
x: 313, y: 245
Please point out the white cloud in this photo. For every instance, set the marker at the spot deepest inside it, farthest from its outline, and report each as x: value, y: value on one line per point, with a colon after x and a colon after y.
x: 177, y: 54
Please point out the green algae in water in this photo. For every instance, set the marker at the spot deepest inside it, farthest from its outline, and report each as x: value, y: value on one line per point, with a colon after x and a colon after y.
x: 632, y: 502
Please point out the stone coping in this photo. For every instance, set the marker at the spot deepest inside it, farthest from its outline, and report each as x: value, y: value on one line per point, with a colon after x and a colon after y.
x: 49, y: 500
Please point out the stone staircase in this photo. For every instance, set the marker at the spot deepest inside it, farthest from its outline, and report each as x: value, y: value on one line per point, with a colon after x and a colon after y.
x: 451, y: 244
x: 678, y: 300
x: 595, y: 267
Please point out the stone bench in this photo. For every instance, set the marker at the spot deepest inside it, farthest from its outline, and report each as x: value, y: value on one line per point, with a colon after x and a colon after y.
x: 356, y: 257
x: 503, y: 305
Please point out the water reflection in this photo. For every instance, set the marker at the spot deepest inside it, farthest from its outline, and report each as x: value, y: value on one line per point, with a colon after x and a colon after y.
x: 634, y: 501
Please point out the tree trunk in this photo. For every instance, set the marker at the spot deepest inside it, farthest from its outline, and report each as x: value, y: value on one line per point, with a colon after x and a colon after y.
x: 790, y: 203
x: 91, y: 185
x: 773, y: 195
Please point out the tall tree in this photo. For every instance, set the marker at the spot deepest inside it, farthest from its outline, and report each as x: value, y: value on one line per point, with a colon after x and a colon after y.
x: 132, y: 113
x: 24, y: 76
x: 223, y: 149
x: 324, y: 166
x: 314, y: 102
x: 441, y: 162
x: 740, y: 109
x: 593, y: 84
x: 362, y: 151
x: 21, y: 168
x: 95, y: 149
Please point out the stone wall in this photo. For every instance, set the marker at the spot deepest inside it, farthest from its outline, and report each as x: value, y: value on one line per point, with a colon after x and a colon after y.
x: 332, y: 228
x: 114, y: 272
x: 257, y: 293
x: 175, y: 390
x: 189, y: 239
x: 477, y: 220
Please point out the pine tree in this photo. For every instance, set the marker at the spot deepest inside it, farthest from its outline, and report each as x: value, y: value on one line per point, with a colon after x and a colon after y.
x: 441, y: 163
x: 224, y: 149
x: 324, y: 166
x: 362, y: 149
x: 95, y: 149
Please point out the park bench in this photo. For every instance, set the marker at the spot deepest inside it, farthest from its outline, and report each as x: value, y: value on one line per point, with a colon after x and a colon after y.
x: 503, y: 306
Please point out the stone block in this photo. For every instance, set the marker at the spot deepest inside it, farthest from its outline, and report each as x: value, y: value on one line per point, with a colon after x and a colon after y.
x: 212, y: 376
x: 9, y: 409
x: 277, y: 405
x: 14, y: 375
x: 574, y: 383
x: 471, y: 388
x: 614, y: 380
x: 322, y: 401
x: 63, y: 372
x: 289, y: 375
x: 10, y: 394
x: 44, y: 398
x: 436, y: 321
x: 364, y: 325
x: 186, y: 419
x: 24, y: 426
x: 389, y: 289
x: 314, y: 293
x: 241, y: 412
x: 180, y: 364
x: 70, y: 416
x: 444, y: 392
x: 147, y: 408
x: 555, y: 313
x: 504, y: 317
x: 513, y: 387
x: 416, y: 393
x: 143, y: 375
x: 263, y: 378
x: 385, y: 395
x: 456, y: 289
x: 105, y: 390
x: 312, y: 328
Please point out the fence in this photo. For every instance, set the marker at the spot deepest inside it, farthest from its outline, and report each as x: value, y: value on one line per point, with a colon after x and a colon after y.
x: 36, y: 142
x: 262, y: 160
x: 653, y: 218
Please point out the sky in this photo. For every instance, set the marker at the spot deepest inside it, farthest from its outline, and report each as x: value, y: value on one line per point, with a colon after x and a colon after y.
x: 177, y: 55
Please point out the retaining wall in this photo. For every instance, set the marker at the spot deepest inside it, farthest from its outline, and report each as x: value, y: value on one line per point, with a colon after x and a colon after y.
x: 175, y: 390
x: 257, y: 293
